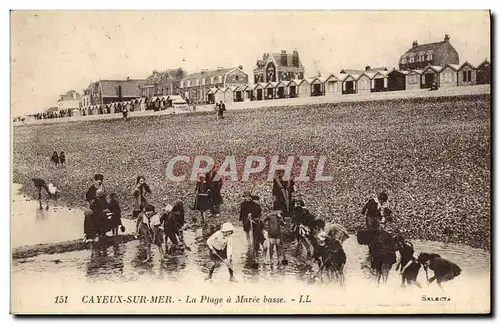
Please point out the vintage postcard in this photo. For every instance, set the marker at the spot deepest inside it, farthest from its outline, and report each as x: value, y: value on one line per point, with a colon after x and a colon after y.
x: 250, y: 162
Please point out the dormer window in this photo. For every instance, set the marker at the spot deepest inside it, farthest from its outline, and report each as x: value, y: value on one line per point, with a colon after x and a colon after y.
x: 429, y: 56
x: 403, y: 60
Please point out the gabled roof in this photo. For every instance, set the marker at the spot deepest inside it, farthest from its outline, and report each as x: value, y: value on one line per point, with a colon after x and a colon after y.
x: 295, y: 82
x: 234, y: 88
x: 330, y: 76
x: 130, y: 88
x: 435, y: 68
x: 342, y: 76
x: 434, y: 47
x: 271, y: 85
x: 260, y: 84
x: 454, y: 67
x: 68, y: 96
x: 418, y: 71
x: 210, y: 73
x: 466, y: 64
x: 384, y: 74
x: 310, y: 80
x: 399, y: 71
x: 369, y: 75
x: 213, y: 90
x: 355, y: 77
x: 245, y: 87
x: 484, y: 63
x: 277, y: 58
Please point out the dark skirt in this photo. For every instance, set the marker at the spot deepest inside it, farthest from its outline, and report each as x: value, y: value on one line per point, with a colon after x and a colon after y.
x: 203, y: 202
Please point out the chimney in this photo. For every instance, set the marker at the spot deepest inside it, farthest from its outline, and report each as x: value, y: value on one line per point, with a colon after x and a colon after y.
x: 128, y: 78
x: 415, y: 43
x: 284, y: 57
x: 446, y: 38
x: 295, y: 58
x: 240, y: 67
x: 367, y: 68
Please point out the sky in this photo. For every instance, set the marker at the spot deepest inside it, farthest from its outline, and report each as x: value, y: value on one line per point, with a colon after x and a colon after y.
x: 53, y: 52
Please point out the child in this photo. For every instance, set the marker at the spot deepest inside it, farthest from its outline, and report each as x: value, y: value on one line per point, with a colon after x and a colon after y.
x: 116, y: 214
x: 55, y: 159
x: 148, y: 227
x: 220, y: 245
x: 54, y: 192
x: 62, y: 158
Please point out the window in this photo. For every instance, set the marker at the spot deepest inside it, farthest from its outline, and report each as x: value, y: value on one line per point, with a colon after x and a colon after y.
x: 220, y: 78
x: 237, y: 77
x: 412, y: 59
x: 429, y: 56
x: 403, y: 61
x: 467, y: 76
x: 197, y: 82
x: 188, y: 83
x: 421, y: 58
x: 212, y: 80
x: 202, y: 81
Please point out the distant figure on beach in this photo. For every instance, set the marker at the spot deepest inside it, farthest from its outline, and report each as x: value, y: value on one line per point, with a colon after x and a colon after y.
x: 62, y: 158
x: 42, y: 184
x: 125, y: 112
x: 55, y: 159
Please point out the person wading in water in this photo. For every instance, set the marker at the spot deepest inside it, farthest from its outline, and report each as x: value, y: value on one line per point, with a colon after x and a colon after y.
x: 221, y: 250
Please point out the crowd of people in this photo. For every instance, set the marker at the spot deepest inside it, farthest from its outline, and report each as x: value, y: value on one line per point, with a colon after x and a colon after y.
x: 320, y: 241
x: 54, y: 114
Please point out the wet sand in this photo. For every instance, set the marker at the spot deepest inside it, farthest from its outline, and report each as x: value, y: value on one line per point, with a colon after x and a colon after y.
x: 36, y: 281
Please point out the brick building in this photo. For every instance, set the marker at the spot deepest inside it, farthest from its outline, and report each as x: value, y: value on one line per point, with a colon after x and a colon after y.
x: 421, y: 56
x: 109, y: 91
x: 196, y: 86
x: 275, y: 67
x: 163, y: 83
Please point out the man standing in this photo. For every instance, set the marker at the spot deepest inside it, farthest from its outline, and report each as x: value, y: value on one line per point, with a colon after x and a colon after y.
x: 221, y: 250
x: 274, y: 222
x: 250, y: 213
x: 222, y: 108
x: 373, y: 211
x: 282, y: 194
x: 215, y: 192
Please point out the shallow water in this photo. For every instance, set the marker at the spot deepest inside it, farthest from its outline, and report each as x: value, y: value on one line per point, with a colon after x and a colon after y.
x: 121, y: 270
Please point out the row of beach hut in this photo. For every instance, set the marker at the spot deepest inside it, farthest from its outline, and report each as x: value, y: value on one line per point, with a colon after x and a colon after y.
x: 351, y: 83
